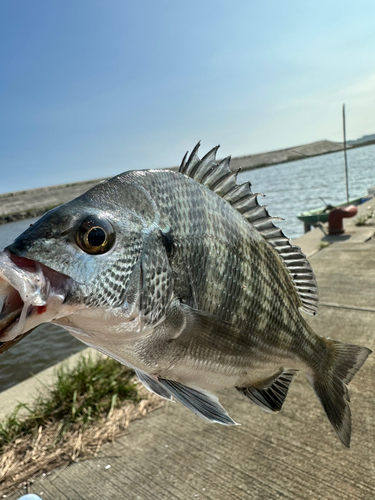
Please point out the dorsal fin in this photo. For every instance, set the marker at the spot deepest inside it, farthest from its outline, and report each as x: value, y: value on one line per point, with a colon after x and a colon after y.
x: 218, y: 177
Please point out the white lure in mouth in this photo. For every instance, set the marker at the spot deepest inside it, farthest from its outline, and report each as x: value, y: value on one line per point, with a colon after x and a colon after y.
x: 30, y: 294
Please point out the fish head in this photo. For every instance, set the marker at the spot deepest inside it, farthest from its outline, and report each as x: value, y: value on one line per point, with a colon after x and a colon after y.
x: 75, y: 261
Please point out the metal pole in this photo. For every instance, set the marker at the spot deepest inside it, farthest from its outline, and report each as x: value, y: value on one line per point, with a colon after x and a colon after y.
x: 346, y: 160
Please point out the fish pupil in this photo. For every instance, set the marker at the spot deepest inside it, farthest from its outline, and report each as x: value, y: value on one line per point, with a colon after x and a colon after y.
x: 96, y: 237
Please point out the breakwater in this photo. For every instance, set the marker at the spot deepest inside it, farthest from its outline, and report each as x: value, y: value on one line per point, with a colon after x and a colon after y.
x: 35, y: 202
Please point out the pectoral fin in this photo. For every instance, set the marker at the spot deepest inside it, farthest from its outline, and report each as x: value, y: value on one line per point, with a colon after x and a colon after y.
x: 207, y: 330
x: 200, y: 402
x: 272, y: 395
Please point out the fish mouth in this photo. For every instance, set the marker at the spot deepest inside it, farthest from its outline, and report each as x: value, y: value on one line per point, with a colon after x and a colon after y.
x: 30, y: 294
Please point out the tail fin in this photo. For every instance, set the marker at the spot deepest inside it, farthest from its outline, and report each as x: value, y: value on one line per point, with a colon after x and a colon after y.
x: 331, y: 385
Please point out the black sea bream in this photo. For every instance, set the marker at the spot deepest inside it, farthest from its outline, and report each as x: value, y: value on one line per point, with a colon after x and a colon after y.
x: 183, y: 277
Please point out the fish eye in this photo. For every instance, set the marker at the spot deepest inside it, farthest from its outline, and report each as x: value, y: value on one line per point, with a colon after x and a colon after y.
x: 95, y: 235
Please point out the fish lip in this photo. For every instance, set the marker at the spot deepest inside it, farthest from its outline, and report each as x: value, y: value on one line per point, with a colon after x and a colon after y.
x: 28, y: 289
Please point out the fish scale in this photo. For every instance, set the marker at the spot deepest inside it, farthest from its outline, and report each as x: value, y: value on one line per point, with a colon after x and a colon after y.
x: 189, y: 282
x: 257, y: 301
x: 106, y: 290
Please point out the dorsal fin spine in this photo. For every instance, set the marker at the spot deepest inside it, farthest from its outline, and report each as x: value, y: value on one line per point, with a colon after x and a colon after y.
x: 182, y: 166
x: 250, y: 204
x: 216, y: 176
x: 226, y: 183
x: 245, y: 203
x: 206, y: 162
x: 207, y: 179
x: 263, y: 224
x: 238, y: 193
x: 219, y: 178
x: 192, y: 160
x: 259, y: 212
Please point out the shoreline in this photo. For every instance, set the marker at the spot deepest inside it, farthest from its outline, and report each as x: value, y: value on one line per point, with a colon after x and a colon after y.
x: 25, y: 204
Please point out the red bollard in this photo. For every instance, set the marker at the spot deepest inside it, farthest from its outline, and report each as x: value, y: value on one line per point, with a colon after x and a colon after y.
x: 335, y: 218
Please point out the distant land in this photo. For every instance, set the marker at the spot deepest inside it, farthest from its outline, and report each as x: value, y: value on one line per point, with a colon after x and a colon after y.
x: 285, y: 155
x: 35, y: 202
x: 363, y: 141
x: 297, y: 153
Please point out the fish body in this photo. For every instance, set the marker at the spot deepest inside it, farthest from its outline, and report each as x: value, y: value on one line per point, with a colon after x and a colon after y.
x: 183, y: 277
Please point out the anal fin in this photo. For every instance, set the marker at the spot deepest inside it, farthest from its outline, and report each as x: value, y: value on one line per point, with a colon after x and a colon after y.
x: 202, y: 403
x: 272, y: 395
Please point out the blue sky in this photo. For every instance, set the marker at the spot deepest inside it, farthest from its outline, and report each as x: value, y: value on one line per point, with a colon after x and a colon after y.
x: 92, y: 88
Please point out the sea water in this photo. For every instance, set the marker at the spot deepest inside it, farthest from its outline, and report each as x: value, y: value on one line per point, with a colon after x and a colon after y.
x: 302, y: 185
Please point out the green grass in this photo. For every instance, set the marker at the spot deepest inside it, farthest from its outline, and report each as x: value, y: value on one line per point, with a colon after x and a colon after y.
x: 80, y: 396
x: 362, y: 219
x: 324, y: 244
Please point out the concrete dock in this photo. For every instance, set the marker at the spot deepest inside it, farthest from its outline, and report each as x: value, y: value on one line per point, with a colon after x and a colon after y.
x: 173, y: 455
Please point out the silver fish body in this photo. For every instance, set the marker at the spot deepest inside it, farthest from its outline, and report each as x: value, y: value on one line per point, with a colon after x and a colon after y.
x: 182, y: 276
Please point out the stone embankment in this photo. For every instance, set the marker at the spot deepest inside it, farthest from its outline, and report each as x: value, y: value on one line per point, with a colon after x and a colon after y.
x: 35, y: 202
x: 285, y: 155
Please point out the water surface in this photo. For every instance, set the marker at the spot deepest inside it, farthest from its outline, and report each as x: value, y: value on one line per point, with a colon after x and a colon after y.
x: 298, y: 186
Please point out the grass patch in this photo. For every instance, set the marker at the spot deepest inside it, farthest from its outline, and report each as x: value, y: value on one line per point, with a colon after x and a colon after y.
x: 89, y: 404
x: 80, y: 396
x: 324, y: 244
x: 362, y: 219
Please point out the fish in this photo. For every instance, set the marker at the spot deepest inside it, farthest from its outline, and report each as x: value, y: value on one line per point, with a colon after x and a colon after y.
x: 184, y: 277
